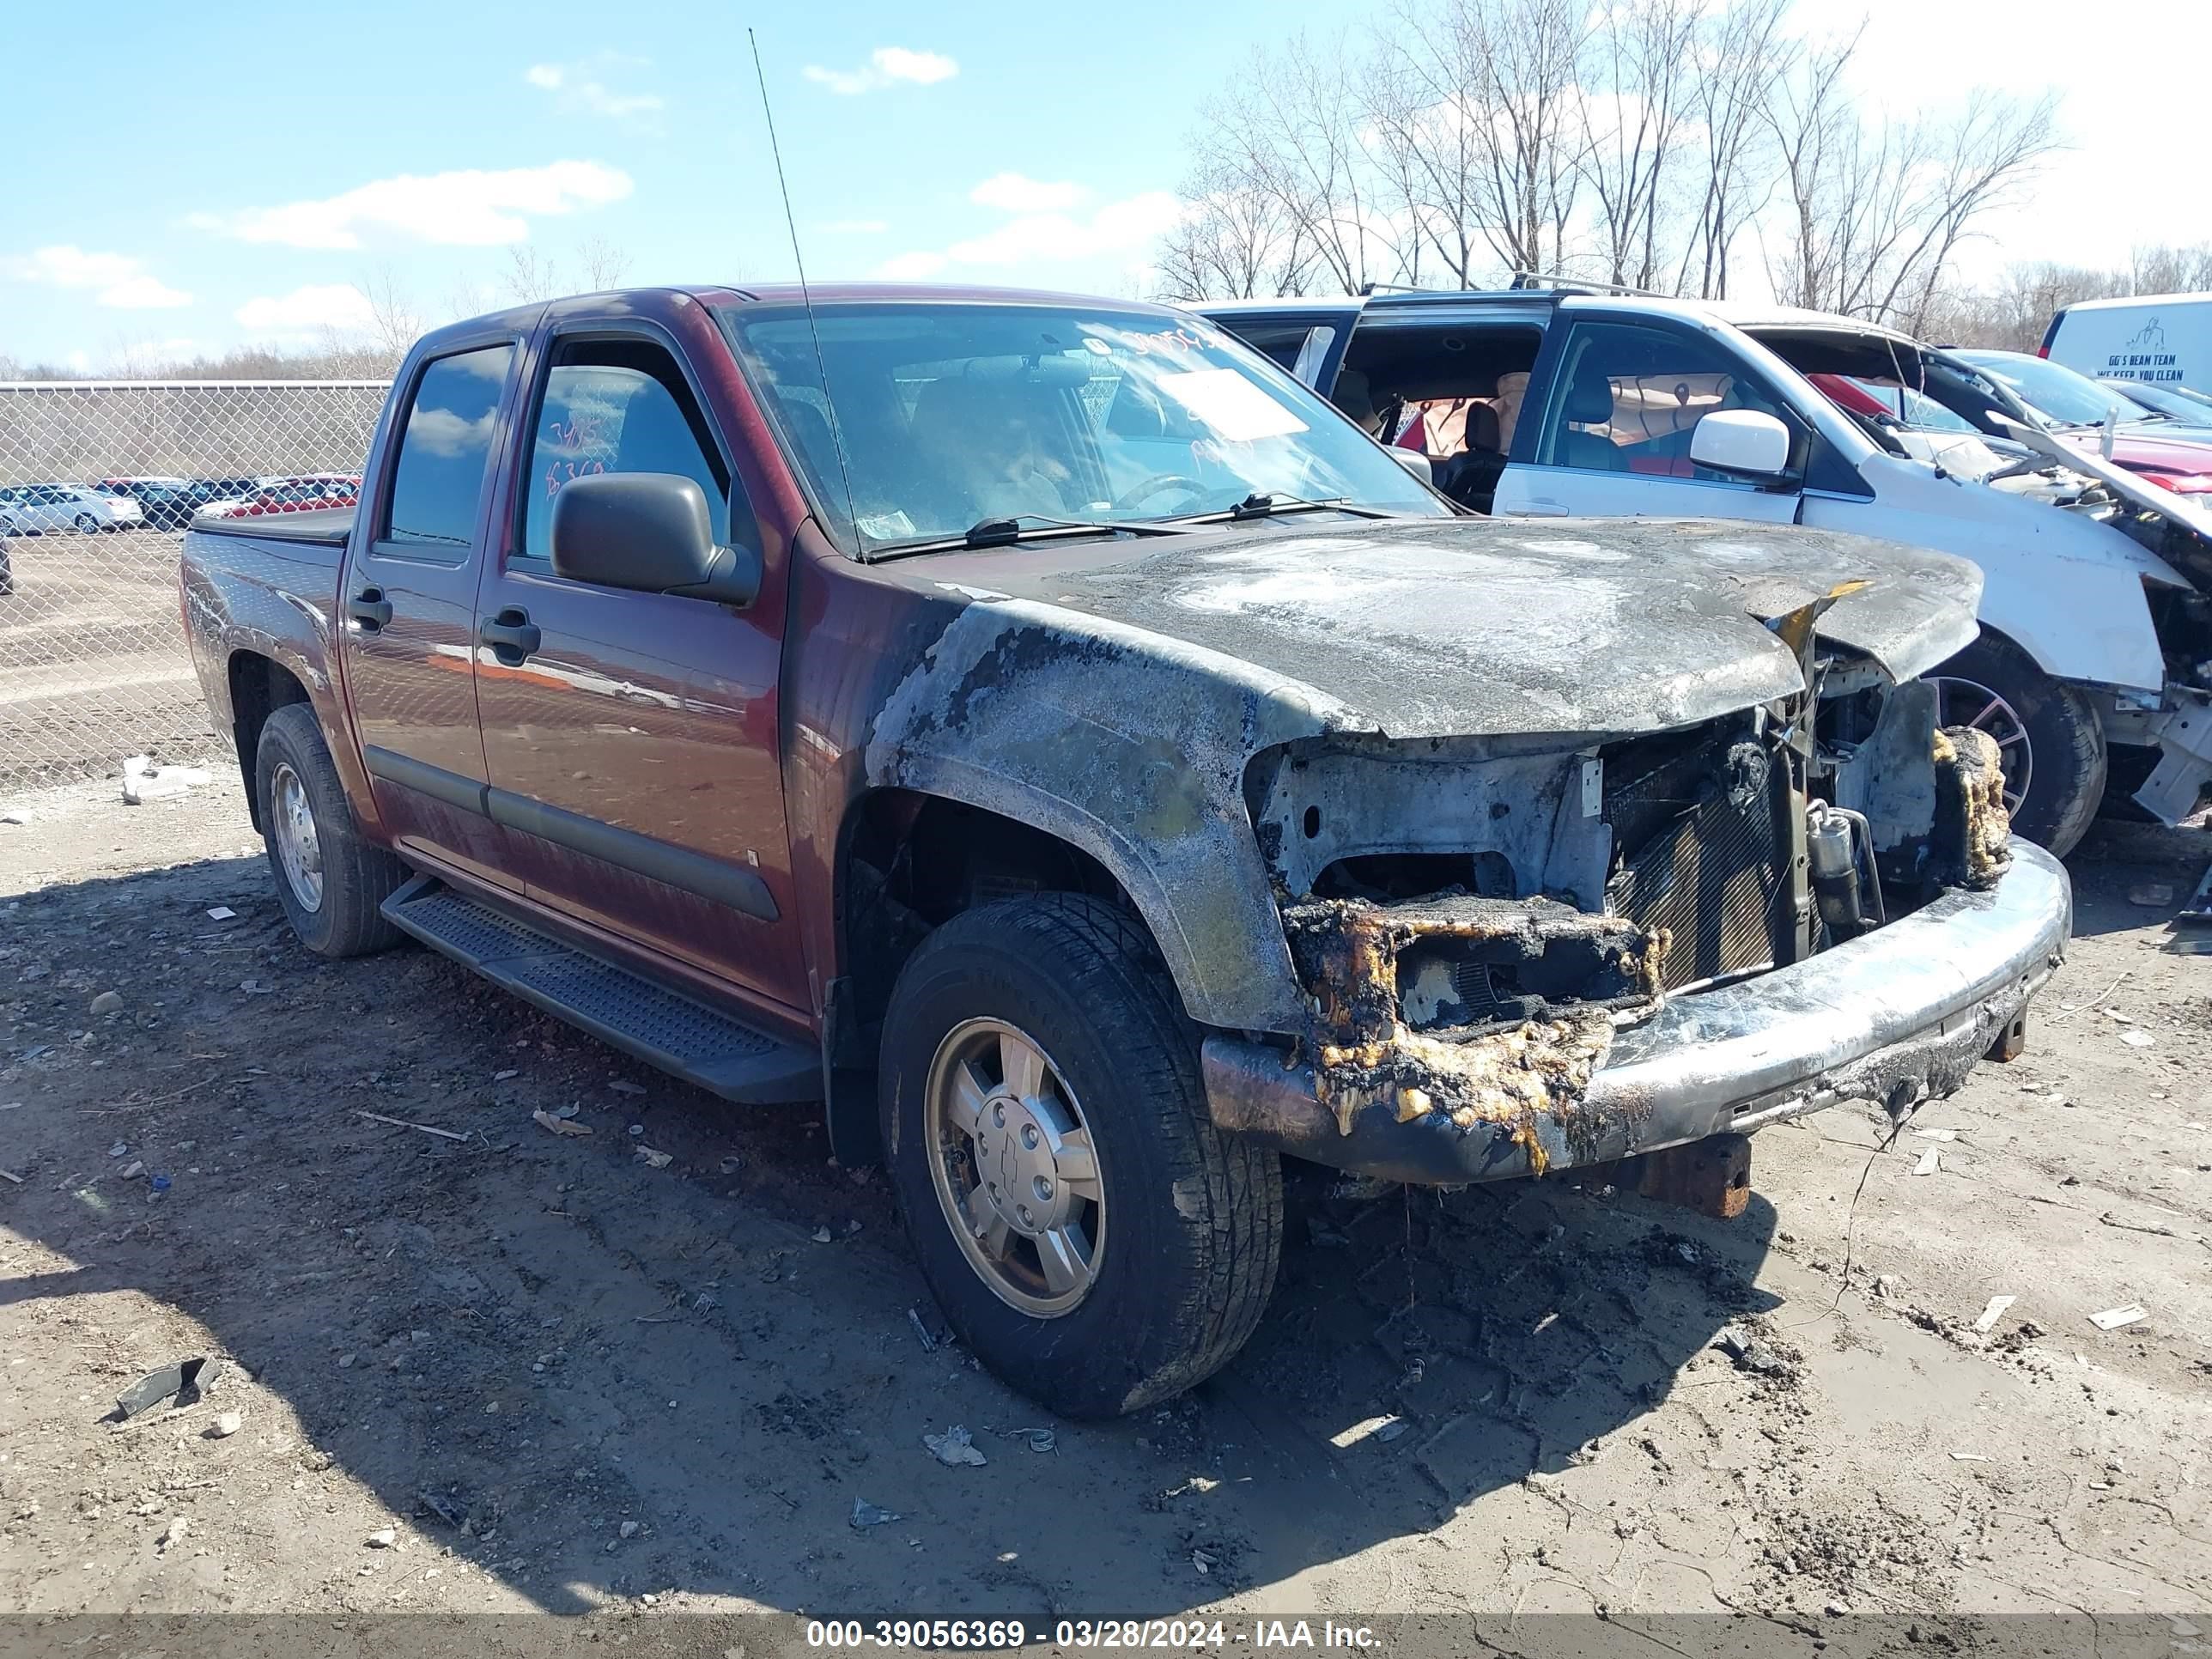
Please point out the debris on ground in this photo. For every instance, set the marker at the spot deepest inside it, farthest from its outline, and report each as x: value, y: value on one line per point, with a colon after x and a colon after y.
x: 2112, y: 1318
x: 1993, y: 1312
x: 174, y: 1534
x: 1937, y: 1134
x: 658, y: 1160
x: 383, y: 1538
x: 955, y: 1447
x: 444, y: 1508
x: 1752, y: 1352
x: 2136, y: 1037
x: 402, y: 1123
x: 194, y: 1375
x: 221, y: 912
x: 226, y: 1425
x: 133, y: 1169
x: 2151, y: 894
x: 143, y: 780
x: 628, y: 1529
x: 928, y: 1342
x: 1930, y: 1161
x: 107, y: 1002
x: 559, y: 1126
x: 821, y: 1234
x: 866, y: 1515
x: 1040, y: 1440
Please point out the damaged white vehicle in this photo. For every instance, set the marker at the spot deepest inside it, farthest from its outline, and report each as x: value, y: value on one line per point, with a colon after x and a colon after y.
x: 2095, y: 656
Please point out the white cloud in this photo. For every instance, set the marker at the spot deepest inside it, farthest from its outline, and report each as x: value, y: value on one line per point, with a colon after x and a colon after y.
x: 1017, y: 194
x: 886, y: 66
x: 323, y: 304
x: 470, y: 208
x: 853, y: 227
x: 1044, y: 237
x: 116, y: 279
x: 584, y: 87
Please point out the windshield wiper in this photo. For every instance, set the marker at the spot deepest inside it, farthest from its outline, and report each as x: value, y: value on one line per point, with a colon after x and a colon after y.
x: 1026, y: 526
x: 1258, y: 506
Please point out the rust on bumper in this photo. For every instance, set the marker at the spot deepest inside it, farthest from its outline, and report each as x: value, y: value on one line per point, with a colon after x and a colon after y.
x: 1522, y: 998
x: 1896, y: 1015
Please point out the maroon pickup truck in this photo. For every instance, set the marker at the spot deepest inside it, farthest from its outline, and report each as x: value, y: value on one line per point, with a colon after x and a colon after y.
x: 1051, y: 737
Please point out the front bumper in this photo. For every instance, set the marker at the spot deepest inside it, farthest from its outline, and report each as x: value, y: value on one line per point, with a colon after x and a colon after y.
x: 1899, y: 1013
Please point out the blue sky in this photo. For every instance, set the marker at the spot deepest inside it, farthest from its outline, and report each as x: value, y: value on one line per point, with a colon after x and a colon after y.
x: 161, y: 184
x: 244, y: 168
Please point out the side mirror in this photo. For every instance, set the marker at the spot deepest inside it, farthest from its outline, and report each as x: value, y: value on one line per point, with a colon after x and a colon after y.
x: 1415, y: 463
x: 1743, y: 443
x: 651, y: 532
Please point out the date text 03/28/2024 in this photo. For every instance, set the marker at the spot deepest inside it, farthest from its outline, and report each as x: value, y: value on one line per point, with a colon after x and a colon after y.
x: 1007, y: 1635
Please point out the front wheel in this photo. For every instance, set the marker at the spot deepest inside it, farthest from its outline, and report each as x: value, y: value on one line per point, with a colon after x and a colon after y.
x: 87, y: 525
x: 1089, y: 1233
x: 2048, y: 737
x: 329, y: 879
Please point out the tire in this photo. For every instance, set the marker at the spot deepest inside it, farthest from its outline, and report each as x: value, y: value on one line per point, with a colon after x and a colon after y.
x: 340, y: 917
x: 2055, y: 726
x: 1185, y: 1226
x: 87, y: 525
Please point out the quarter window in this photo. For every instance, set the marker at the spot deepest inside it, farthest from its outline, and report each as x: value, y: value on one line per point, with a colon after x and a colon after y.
x: 617, y: 406
x: 438, y: 480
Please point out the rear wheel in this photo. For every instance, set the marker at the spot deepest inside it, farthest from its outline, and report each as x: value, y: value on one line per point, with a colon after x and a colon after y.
x: 1089, y: 1233
x: 87, y: 525
x: 329, y: 879
x: 2048, y: 735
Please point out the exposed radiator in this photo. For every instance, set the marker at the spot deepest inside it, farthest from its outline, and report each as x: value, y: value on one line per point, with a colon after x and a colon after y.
x: 1703, y: 854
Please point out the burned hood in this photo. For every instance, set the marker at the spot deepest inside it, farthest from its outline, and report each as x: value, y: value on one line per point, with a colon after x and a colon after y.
x: 1483, y: 628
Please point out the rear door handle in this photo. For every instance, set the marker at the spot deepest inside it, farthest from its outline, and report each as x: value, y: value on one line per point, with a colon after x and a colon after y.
x: 1536, y: 510
x: 370, y: 609
x: 511, y: 634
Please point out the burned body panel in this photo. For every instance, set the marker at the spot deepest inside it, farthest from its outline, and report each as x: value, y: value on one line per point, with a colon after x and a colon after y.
x: 1119, y: 695
x: 1475, y: 628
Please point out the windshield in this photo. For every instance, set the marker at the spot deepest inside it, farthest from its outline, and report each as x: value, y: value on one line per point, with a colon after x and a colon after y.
x: 954, y: 414
x: 1910, y: 408
x: 2068, y: 398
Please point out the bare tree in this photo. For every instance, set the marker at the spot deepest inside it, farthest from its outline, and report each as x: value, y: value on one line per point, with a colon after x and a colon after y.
x: 1878, y: 209
x: 1639, y: 93
x: 1290, y: 133
x: 601, y: 264
x: 1233, y: 244
x: 1740, y: 54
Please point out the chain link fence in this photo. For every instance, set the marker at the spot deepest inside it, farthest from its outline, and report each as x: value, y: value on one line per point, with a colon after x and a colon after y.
x: 98, y: 479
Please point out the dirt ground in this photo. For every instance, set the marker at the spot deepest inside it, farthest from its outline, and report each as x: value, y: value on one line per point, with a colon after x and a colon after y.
x: 504, y: 1369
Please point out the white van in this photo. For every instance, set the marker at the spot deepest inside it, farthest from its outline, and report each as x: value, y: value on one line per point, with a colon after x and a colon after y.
x: 2157, y: 337
x: 2096, y: 658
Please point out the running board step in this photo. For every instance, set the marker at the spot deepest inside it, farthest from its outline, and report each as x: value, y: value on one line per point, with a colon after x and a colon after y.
x: 702, y: 1045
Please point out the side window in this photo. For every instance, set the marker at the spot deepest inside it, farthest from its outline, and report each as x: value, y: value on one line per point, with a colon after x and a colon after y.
x: 1628, y: 397
x: 439, y: 478
x: 616, y: 406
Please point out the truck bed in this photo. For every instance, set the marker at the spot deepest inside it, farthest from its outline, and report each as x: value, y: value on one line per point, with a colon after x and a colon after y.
x: 327, y: 526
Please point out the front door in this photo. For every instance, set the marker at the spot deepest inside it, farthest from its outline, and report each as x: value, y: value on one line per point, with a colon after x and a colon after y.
x: 1612, y: 437
x: 632, y: 736
x: 406, y: 612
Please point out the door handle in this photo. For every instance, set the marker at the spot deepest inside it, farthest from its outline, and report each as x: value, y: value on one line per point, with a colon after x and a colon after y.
x: 511, y: 634
x: 370, y: 609
x: 1536, y: 510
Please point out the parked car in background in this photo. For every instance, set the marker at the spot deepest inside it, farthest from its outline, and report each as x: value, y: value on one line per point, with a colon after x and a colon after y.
x: 1061, y: 743
x: 2167, y: 397
x: 2104, y: 417
x: 40, y: 509
x: 2097, y: 606
x: 308, y: 493
x: 2164, y: 338
x: 166, y: 503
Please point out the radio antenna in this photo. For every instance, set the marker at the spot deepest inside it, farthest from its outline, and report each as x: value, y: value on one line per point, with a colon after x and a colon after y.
x: 820, y: 363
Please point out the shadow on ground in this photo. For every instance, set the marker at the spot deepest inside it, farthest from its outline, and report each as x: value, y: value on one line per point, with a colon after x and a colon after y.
x: 521, y: 1344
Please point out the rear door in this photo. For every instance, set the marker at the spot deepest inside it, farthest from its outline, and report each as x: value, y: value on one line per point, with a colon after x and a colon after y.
x: 408, y: 597
x: 632, y: 736
x: 1614, y: 406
